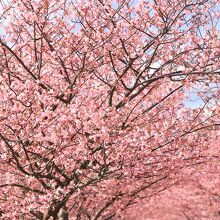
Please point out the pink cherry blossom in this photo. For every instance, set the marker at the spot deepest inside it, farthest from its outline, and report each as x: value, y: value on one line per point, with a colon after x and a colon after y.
x: 97, y: 124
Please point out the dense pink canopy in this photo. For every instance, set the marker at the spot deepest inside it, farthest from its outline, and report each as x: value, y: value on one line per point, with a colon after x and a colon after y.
x: 93, y: 116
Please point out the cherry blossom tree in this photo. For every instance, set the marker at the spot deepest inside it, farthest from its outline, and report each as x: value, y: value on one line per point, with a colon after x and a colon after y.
x: 195, y: 196
x: 94, y: 122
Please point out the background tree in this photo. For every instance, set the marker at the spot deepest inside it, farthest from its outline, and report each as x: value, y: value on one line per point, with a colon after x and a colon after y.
x: 96, y: 122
